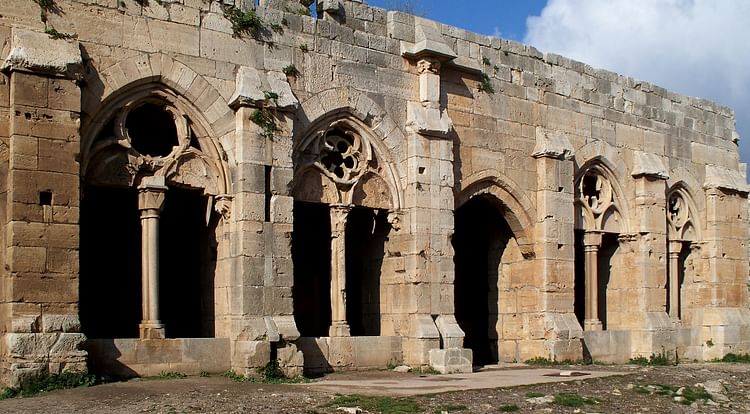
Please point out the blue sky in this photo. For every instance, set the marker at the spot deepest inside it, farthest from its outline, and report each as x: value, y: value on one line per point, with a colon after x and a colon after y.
x: 694, y: 47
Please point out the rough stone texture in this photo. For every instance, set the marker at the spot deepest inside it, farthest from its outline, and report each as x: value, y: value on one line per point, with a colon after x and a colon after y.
x: 611, y: 188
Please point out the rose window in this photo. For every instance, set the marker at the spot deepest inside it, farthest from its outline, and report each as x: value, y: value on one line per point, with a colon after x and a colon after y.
x: 339, y: 156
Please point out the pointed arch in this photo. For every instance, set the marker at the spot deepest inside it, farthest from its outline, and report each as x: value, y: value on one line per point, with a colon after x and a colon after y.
x: 515, y: 206
x: 349, y: 112
x: 601, y: 162
x: 157, y: 75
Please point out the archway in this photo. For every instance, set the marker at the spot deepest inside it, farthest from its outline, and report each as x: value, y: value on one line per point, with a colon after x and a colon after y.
x: 148, y: 222
x: 344, y: 191
x: 483, y: 244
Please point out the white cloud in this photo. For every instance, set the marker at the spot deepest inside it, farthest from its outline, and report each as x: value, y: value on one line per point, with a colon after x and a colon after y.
x: 695, y: 47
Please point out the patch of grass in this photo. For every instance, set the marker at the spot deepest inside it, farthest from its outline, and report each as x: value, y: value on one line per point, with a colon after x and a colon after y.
x: 383, y: 405
x: 303, y: 47
x: 533, y: 394
x: 655, y: 360
x: 572, y: 400
x: 264, y: 116
x: 451, y: 408
x: 428, y: 370
x: 508, y: 408
x: 52, y: 382
x: 539, y: 361
x: 692, y: 394
x: 171, y: 375
x: 230, y: 374
x: 689, y: 394
x: 204, y: 374
x: 735, y: 358
x: 486, y: 61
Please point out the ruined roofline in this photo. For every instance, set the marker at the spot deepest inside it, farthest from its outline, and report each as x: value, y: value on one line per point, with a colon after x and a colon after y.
x: 521, y: 49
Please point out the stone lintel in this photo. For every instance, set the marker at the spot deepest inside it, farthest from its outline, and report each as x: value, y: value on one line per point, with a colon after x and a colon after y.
x: 552, y: 144
x: 725, y: 179
x: 648, y: 164
x: 36, y: 52
x: 253, y: 86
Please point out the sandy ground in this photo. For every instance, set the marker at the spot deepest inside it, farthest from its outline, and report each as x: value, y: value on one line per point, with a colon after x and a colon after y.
x: 639, y: 390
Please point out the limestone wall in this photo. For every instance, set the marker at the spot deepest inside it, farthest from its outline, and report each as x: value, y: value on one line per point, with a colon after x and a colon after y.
x: 452, y: 115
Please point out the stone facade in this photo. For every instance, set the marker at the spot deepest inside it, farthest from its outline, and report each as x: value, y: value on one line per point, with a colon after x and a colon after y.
x: 184, y: 193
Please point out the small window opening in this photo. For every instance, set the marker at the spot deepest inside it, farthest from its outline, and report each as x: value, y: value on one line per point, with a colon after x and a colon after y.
x: 45, y: 198
x: 267, y: 211
x: 591, y: 189
x: 152, y: 130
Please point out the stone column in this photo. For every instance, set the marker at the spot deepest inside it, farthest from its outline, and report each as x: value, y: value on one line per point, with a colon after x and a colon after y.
x: 339, y: 325
x: 674, y: 280
x: 150, y: 203
x: 591, y: 242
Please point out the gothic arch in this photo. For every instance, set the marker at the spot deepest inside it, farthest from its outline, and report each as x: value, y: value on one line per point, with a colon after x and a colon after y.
x: 140, y: 77
x: 342, y: 102
x: 606, y: 209
x: 683, y: 221
x: 516, y: 207
x: 371, y: 176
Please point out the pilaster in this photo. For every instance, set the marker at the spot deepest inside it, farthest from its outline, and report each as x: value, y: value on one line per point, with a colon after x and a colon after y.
x: 554, y: 244
x: 40, y: 321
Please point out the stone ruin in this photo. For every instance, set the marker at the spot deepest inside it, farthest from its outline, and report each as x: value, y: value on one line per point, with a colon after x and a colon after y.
x: 202, y: 185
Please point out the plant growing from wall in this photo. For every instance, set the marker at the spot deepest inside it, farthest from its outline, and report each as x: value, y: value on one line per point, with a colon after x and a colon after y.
x: 54, y: 34
x: 46, y: 7
x: 243, y: 23
x: 291, y: 70
x: 485, y: 85
x: 265, y: 116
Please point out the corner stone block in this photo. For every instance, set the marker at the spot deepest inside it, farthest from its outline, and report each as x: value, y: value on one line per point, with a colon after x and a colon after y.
x: 452, y: 361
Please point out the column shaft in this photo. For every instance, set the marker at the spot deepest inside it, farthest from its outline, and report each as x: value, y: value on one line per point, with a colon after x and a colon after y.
x: 150, y: 202
x: 674, y: 280
x: 339, y: 325
x: 591, y: 242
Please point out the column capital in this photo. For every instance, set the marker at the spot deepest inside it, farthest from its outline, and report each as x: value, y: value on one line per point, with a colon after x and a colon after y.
x: 592, y: 238
x: 151, y: 193
x: 675, y: 247
x: 339, y: 214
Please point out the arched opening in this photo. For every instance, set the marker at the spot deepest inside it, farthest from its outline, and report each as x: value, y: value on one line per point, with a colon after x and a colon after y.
x: 311, y: 258
x: 148, y: 227
x: 480, y: 241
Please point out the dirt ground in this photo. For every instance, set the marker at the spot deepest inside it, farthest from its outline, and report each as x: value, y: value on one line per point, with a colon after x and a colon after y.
x: 643, y: 390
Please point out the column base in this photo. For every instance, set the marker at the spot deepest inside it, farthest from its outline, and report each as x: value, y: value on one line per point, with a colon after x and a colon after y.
x: 151, y: 330
x: 592, y: 325
x: 339, y: 329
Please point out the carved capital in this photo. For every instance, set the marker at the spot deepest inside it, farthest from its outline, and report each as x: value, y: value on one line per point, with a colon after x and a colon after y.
x: 394, y: 219
x: 592, y: 239
x: 223, y: 206
x: 339, y: 214
x: 428, y: 65
x: 151, y: 198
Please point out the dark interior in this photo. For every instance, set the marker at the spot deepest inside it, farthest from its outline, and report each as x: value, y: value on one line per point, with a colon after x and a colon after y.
x: 187, y: 259
x: 110, y: 263
x: 606, y: 252
x: 311, y: 257
x: 366, y: 233
x: 479, y: 241
x: 152, y: 130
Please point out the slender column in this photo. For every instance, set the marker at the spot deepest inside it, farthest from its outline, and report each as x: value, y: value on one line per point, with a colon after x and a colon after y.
x: 150, y: 202
x: 591, y: 242
x: 339, y: 325
x: 675, y: 247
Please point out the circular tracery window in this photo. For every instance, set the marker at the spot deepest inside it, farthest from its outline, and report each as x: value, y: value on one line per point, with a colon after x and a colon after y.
x: 152, y: 130
x: 338, y: 155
